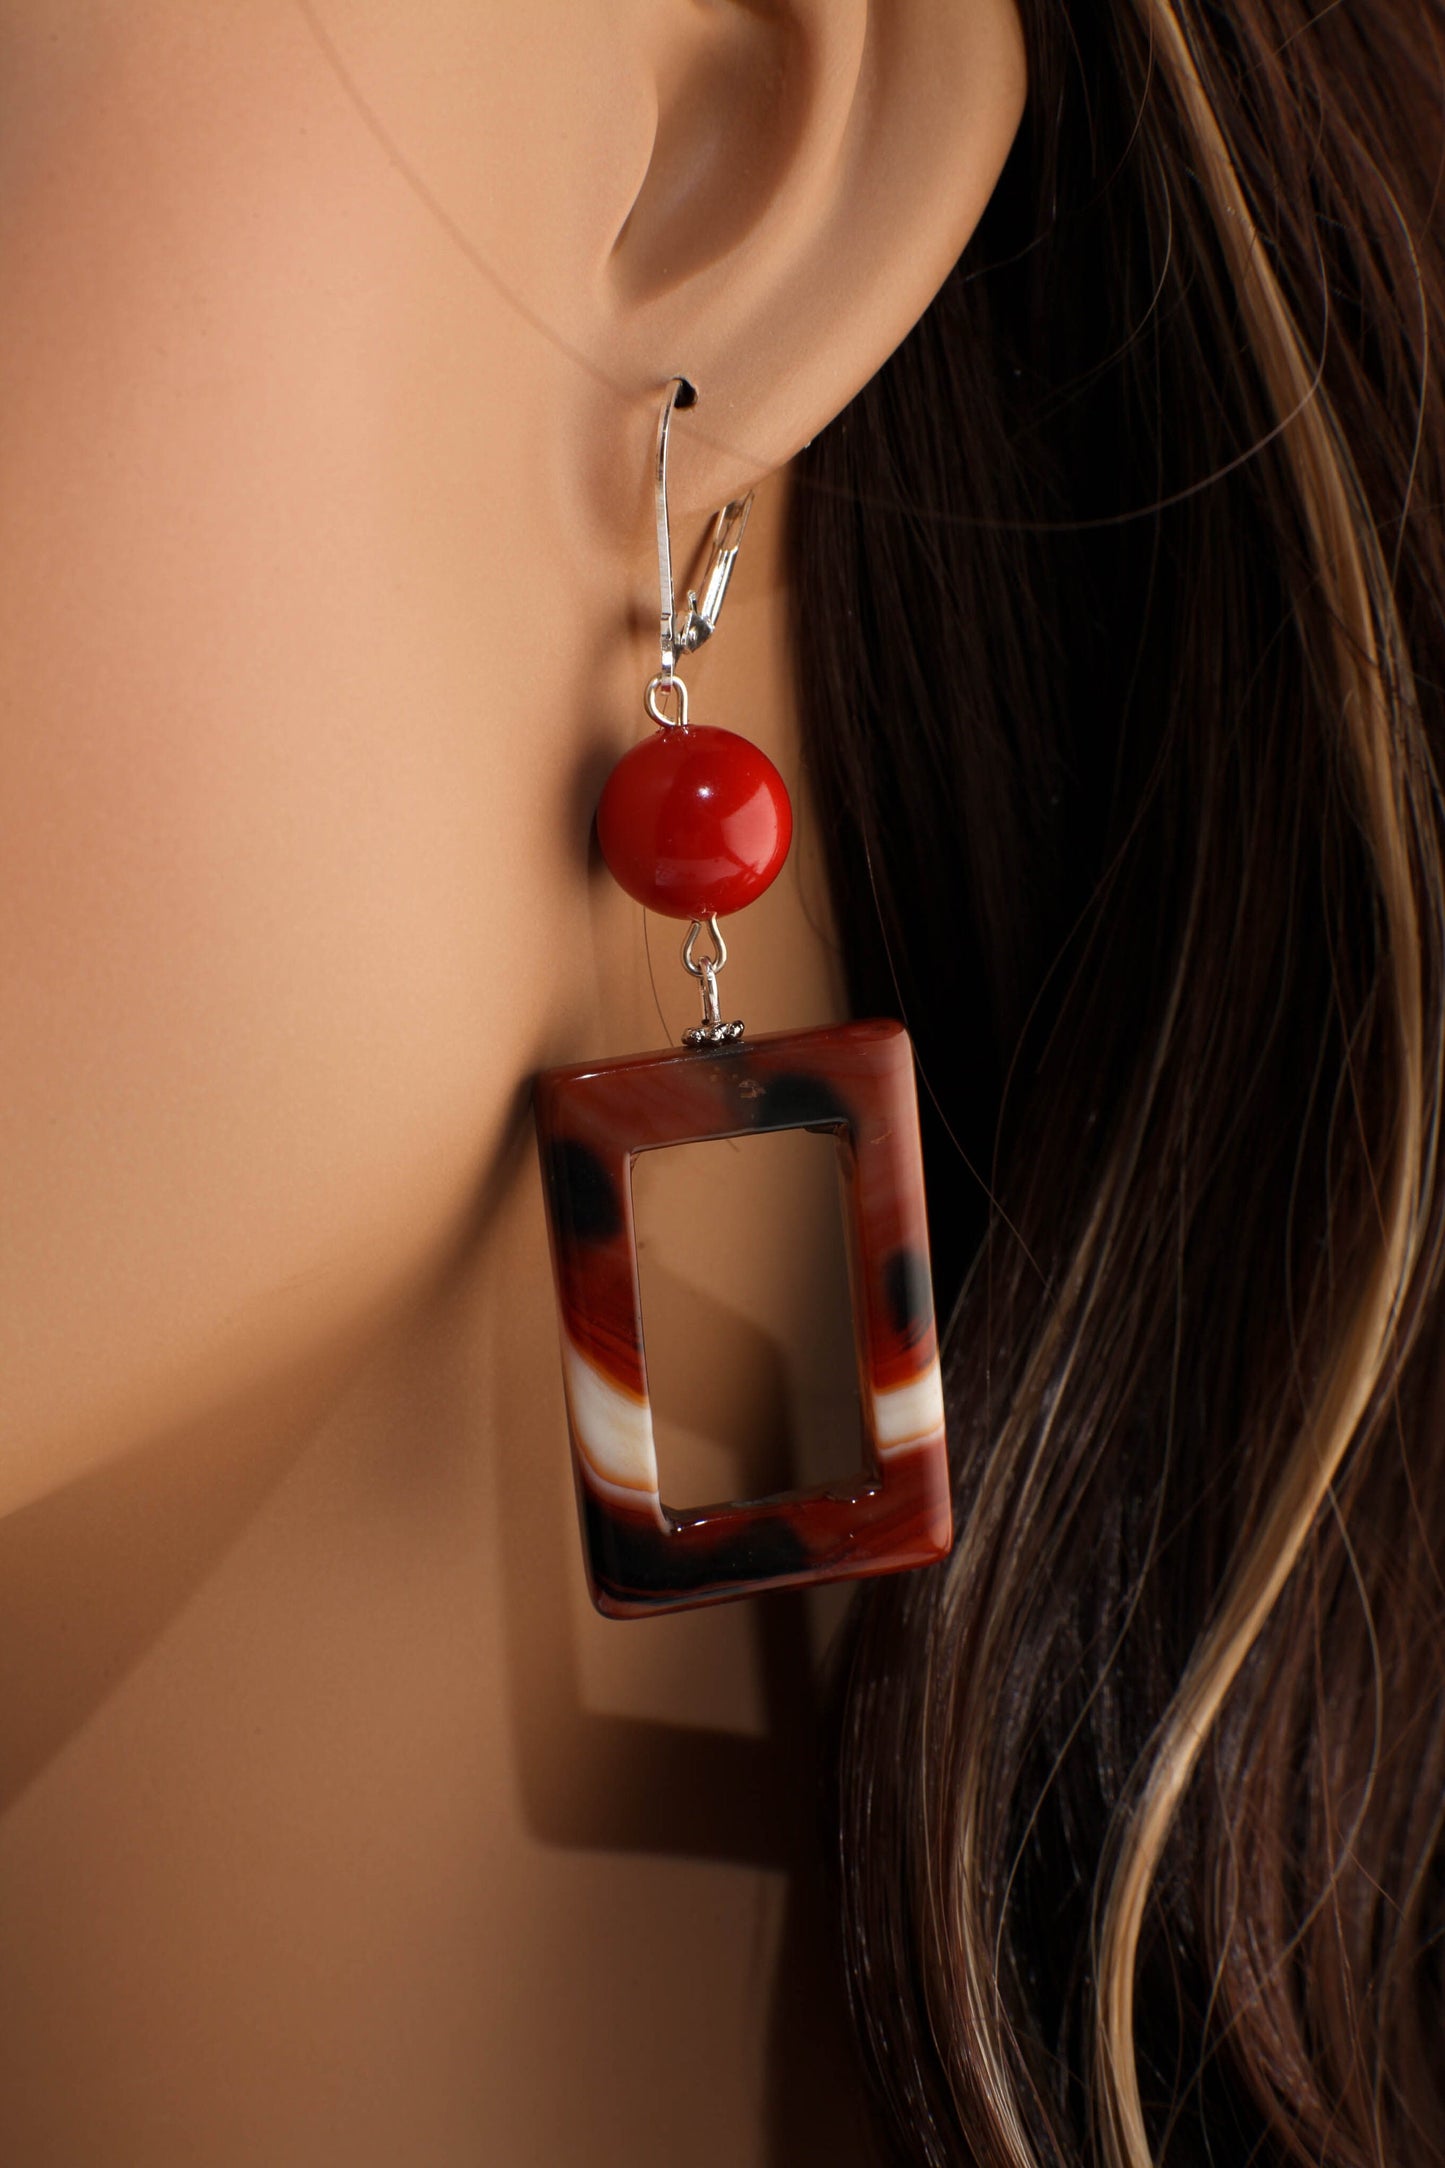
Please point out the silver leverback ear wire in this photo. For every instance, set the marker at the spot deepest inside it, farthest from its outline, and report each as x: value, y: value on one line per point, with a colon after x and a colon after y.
x: 701, y: 620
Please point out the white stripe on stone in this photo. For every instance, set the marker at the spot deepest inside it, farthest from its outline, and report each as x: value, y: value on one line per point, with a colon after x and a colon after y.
x: 612, y: 1427
x: 907, y: 1415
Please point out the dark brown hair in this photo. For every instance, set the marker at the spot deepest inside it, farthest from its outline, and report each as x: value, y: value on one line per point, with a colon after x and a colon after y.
x: 1124, y: 707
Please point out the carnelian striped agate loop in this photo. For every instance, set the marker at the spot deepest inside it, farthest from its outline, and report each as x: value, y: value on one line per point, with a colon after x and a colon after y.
x: 851, y: 1081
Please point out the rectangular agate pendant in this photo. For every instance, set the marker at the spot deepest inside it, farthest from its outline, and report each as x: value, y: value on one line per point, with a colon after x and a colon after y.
x: 854, y: 1081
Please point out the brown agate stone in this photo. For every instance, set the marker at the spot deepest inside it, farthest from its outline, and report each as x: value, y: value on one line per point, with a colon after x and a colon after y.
x: 853, y: 1080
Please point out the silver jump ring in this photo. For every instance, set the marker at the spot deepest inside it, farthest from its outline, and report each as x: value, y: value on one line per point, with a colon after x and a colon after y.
x: 656, y: 688
x: 719, y: 956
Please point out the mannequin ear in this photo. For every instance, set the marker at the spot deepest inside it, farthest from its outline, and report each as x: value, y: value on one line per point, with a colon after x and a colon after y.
x: 815, y: 169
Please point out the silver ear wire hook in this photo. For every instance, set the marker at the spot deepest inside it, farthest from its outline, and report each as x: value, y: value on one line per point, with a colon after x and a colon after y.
x: 701, y: 620
x: 679, y: 393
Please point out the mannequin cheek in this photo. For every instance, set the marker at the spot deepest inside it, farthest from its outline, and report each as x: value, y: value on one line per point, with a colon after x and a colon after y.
x: 276, y: 860
x: 271, y: 972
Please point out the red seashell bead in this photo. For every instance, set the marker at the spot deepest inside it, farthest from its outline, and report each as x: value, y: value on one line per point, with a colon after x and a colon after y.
x: 694, y: 821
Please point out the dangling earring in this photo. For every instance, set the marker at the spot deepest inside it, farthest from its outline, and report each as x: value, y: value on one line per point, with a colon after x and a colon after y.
x: 695, y: 822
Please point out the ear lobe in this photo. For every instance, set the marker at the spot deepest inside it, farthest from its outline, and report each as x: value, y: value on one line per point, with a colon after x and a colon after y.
x: 816, y: 169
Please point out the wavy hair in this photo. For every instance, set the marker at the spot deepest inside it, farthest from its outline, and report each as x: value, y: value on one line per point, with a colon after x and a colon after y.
x: 1124, y: 707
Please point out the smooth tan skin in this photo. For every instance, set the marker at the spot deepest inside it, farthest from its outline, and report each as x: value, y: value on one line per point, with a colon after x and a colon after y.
x: 336, y: 1826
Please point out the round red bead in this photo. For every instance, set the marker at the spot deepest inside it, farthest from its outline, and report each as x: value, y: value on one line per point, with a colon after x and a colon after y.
x: 694, y: 821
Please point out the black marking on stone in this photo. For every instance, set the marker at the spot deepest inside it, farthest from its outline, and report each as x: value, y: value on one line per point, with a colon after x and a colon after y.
x: 794, y: 1100
x: 637, y: 1563
x: 585, y: 1203
x: 908, y: 1293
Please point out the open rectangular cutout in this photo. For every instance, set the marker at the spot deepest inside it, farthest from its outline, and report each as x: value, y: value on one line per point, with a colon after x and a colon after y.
x: 752, y: 1368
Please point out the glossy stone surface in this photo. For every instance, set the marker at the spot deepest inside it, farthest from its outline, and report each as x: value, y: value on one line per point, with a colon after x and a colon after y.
x: 855, y: 1081
x: 694, y: 821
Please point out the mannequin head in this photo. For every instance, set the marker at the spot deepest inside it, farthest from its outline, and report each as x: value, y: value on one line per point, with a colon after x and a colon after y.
x: 1081, y: 361
x: 327, y: 565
